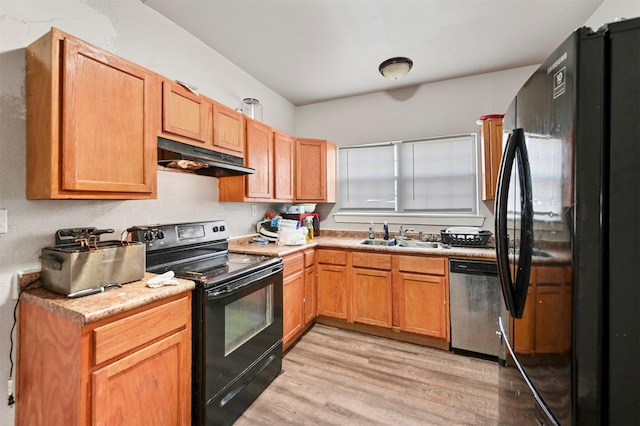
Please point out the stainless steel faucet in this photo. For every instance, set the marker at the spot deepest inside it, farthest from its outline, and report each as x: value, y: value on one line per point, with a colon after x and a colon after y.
x: 402, y: 232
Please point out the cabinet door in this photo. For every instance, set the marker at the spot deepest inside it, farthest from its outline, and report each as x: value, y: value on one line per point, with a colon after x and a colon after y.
x: 491, y: 136
x: 228, y: 129
x: 552, y: 310
x: 524, y: 328
x: 310, y: 286
x: 184, y: 114
x: 109, y: 125
x: 332, y: 291
x: 311, y: 170
x: 310, y: 289
x: 259, y: 156
x: 282, y: 166
x: 150, y: 386
x: 371, y: 297
x: 423, y: 305
x: 293, y: 296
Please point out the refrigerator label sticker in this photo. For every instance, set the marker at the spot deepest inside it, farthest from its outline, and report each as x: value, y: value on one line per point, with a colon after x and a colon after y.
x: 559, y: 85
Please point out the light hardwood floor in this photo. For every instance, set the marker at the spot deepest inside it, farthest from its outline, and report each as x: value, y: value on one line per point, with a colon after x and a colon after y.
x: 339, y: 377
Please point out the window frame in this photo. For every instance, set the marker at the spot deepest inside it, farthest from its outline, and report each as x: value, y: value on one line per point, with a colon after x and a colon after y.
x: 472, y: 218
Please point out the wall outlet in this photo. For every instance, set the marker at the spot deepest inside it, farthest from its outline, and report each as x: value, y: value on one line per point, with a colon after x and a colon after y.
x: 254, y: 210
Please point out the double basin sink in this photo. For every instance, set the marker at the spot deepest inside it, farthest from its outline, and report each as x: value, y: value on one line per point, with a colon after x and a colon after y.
x: 400, y: 242
x: 406, y: 242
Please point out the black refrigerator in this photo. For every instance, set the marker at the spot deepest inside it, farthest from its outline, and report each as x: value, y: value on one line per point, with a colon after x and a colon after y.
x: 567, y: 235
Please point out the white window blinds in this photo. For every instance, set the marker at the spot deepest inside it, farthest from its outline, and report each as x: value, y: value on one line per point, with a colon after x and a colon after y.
x: 436, y: 175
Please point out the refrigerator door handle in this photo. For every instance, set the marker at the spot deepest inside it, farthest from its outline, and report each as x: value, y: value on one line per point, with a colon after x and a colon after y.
x: 514, y: 291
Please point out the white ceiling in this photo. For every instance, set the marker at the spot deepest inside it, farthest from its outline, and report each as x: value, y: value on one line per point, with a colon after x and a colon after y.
x: 310, y: 51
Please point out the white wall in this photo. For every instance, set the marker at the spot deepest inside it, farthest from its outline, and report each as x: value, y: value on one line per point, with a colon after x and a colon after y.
x: 134, y: 31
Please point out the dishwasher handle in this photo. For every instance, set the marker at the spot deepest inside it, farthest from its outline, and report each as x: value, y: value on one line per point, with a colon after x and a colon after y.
x: 473, y: 267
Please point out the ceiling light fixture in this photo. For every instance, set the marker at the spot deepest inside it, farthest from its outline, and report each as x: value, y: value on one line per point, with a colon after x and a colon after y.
x: 395, y: 68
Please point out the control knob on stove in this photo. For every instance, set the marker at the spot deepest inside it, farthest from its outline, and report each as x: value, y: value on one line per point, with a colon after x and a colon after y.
x: 149, y: 236
x: 160, y: 234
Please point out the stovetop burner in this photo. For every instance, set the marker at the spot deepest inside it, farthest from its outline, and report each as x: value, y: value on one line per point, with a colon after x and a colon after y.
x: 196, y: 251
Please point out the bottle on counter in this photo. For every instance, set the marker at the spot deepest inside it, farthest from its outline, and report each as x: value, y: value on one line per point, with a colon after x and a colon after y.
x: 309, y: 226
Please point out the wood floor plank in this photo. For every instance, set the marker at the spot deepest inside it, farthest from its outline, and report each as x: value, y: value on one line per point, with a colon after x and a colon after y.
x: 340, y: 377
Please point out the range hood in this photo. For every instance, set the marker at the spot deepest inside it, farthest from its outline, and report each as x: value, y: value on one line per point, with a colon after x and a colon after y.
x: 202, y: 161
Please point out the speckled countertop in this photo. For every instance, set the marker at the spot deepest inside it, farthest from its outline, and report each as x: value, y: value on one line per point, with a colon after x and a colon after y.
x: 88, y: 309
x: 351, y: 240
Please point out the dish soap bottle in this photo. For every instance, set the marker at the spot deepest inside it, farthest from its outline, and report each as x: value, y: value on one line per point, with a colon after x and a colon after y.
x: 310, y: 230
x: 371, y: 234
x: 386, y: 230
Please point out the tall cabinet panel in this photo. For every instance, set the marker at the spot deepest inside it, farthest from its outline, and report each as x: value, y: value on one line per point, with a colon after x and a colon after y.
x: 282, y: 166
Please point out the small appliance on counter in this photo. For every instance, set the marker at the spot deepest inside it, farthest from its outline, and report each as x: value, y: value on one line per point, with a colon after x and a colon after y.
x: 80, y: 262
x: 301, y: 218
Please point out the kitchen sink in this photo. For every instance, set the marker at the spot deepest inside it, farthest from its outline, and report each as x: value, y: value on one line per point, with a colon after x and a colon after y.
x: 378, y: 242
x: 407, y: 242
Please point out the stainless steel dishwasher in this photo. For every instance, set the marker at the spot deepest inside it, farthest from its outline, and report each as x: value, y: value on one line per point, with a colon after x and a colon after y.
x: 475, y: 297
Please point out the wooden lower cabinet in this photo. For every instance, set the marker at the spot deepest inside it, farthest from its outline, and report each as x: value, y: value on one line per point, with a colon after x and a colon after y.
x: 134, y: 368
x: 545, y: 326
x: 332, y: 283
x: 371, y: 281
x: 423, y: 296
x: 310, y: 287
x: 299, y: 295
x: 293, y: 297
x: 403, y: 293
x: 423, y: 305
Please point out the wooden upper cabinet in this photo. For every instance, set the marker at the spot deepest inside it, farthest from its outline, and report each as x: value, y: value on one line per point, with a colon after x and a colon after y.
x: 491, y: 143
x: 91, y: 122
x: 259, y: 156
x: 184, y: 114
x: 315, y: 171
x: 270, y: 153
x: 282, y: 166
x: 228, y: 130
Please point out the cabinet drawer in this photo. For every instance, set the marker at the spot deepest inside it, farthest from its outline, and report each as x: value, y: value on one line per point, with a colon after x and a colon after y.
x: 293, y: 263
x: 425, y: 265
x: 372, y: 260
x: 333, y: 257
x: 309, y: 258
x: 123, y: 335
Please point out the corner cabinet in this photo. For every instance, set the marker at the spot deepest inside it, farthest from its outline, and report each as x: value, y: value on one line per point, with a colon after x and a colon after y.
x: 91, y: 122
x: 133, y: 368
x: 315, y: 171
x: 491, y: 145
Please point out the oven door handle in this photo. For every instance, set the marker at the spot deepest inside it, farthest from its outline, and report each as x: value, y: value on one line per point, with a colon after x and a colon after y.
x: 229, y: 289
x: 236, y: 286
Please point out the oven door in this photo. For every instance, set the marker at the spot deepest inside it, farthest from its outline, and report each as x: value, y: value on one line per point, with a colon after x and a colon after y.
x: 242, y: 322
